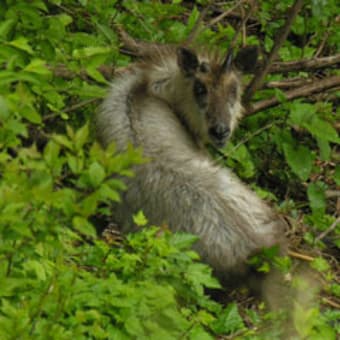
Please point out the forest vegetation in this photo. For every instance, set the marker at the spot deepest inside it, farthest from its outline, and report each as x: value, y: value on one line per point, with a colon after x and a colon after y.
x: 59, y: 277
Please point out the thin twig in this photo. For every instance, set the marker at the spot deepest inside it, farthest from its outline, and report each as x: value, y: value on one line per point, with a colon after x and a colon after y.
x: 314, y: 87
x: 280, y: 39
x: 322, y: 44
x: 245, y: 140
x: 300, y: 256
x: 241, y: 24
x: 80, y: 104
x: 223, y: 15
x: 197, y: 27
x: 330, y: 302
x: 328, y: 230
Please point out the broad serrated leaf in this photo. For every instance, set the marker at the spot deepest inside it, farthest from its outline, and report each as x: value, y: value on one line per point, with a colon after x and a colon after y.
x: 200, y: 275
x: 183, y: 240
x: 229, y: 321
x: 322, y: 129
x: 301, y: 113
x: 300, y: 159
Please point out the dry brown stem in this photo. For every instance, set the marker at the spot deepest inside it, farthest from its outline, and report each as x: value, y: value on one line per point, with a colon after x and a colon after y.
x: 287, y: 83
x: 315, y: 87
x: 305, y: 64
x: 258, y: 79
x: 300, y: 256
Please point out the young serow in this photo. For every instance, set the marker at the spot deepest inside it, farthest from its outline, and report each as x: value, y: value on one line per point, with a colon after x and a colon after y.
x: 173, y: 103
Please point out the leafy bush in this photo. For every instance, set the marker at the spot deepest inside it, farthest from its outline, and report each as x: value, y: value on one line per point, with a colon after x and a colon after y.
x: 58, y: 278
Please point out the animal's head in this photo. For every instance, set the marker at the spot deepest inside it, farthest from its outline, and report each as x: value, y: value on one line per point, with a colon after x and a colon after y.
x: 211, y: 95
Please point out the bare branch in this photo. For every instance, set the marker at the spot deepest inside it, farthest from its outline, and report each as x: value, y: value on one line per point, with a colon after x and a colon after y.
x: 287, y: 83
x: 315, y: 87
x: 305, y: 64
x: 280, y: 39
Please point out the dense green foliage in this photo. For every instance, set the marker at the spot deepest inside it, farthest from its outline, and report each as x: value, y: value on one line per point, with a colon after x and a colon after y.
x: 58, y: 279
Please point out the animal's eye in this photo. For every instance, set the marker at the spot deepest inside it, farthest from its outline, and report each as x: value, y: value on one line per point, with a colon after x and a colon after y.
x: 204, y: 67
x: 199, y: 89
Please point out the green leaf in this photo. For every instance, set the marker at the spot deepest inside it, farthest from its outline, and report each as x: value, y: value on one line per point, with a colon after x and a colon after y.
x: 4, y: 111
x: 63, y: 140
x: 37, y: 267
x: 75, y: 163
x: 81, y: 136
x: 64, y: 19
x: 82, y: 225
x: 96, y: 174
x: 320, y: 264
x: 38, y: 66
x: 198, y: 333
x: 51, y: 153
x: 22, y: 44
x: 229, y: 320
x: 301, y: 113
x: 325, y: 149
x: 95, y: 74
x: 183, y: 240
x: 108, y: 193
x: 200, y: 274
x: 317, y: 197
x: 300, y: 159
x: 322, y: 129
x: 139, y: 219
x: 31, y: 114
x: 6, y: 27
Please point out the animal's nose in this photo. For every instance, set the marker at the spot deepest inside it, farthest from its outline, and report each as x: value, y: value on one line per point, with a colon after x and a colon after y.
x: 220, y: 131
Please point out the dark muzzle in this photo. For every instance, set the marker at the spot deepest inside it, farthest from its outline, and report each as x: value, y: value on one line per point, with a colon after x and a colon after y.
x: 219, y: 133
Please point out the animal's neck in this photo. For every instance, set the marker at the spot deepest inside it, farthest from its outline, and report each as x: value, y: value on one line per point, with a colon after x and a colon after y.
x: 168, y: 84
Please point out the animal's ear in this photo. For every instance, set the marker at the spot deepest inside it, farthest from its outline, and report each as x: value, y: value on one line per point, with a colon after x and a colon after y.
x: 226, y: 65
x: 246, y: 59
x: 187, y: 61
